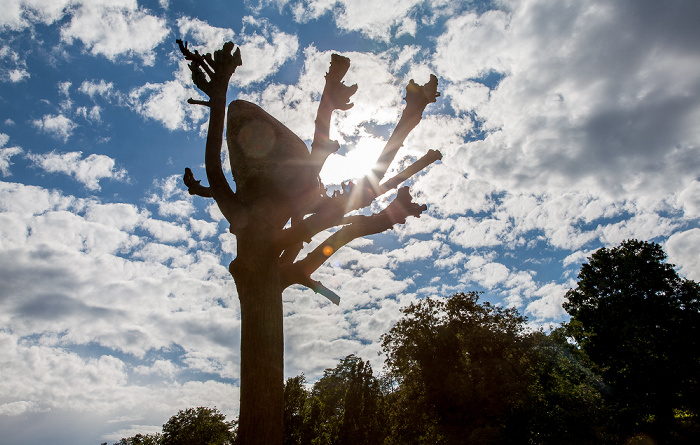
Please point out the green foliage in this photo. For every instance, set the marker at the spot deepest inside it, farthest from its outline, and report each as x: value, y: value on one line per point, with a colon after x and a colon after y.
x: 470, y: 372
x: 198, y: 426
x: 345, y: 406
x: 639, y: 323
x: 140, y: 439
x: 192, y: 426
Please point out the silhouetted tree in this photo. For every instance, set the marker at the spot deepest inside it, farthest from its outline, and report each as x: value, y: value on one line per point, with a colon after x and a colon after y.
x: 198, y: 426
x: 470, y: 372
x: 639, y: 322
x: 295, y: 405
x: 139, y: 439
x: 192, y: 426
x: 565, y: 402
x: 277, y: 183
x: 462, y: 369
x: 345, y: 406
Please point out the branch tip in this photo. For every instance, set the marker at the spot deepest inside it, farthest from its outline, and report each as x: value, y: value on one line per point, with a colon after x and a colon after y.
x: 191, y: 101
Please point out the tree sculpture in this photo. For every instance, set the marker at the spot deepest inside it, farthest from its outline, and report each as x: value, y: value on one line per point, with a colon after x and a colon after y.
x: 280, y: 203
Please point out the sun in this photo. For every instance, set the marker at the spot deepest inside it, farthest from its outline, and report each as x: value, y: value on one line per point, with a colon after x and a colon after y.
x: 356, y: 163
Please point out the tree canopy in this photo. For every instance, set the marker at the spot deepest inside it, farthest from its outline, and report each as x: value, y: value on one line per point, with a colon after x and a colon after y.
x: 639, y: 323
x: 191, y: 426
x: 470, y: 372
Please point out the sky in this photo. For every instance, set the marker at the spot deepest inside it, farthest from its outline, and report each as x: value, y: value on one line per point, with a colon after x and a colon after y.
x: 565, y: 126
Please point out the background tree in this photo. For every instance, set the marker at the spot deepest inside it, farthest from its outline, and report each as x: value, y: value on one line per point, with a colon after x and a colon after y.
x: 345, y: 406
x: 639, y: 322
x: 295, y: 405
x: 565, y: 399
x: 198, y: 426
x: 459, y: 364
x: 191, y: 426
x: 470, y: 372
x: 139, y: 439
x: 277, y: 183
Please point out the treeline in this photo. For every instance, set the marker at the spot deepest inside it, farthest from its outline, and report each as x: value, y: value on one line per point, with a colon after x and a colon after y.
x: 624, y: 369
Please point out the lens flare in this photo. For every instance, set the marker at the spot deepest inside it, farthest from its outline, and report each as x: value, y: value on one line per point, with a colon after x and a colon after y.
x: 327, y: 250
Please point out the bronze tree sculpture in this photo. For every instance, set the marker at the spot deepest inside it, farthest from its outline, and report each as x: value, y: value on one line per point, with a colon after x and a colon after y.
x: 279, y: 204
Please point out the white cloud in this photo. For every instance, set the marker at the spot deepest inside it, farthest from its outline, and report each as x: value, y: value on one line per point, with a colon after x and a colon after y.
x: 58, y: 126
x: 97, y: 88
x: 31, y: 200
x: 119, y: 215
x: 19, y: 14
x: 470, y: 232
x: 548, y: 305
x: 171, y: 197
x: 375, y: 20
x: 165, y: 231
x: 204, y: 229
x: 116, y: 28
x: 683, y: 249
x: 89, y: 170
x: 167, y: 103
x: 689, y: 199
x: 202, y: 35
x: 6, y: 153
x: 264, y: 49
x: 579, y: 107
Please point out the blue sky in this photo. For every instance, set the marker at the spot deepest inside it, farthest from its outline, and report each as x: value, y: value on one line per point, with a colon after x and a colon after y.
x: 565, y: 126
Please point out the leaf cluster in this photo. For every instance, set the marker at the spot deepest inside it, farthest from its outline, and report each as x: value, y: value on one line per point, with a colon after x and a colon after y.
x: 191, y: 426
x: 639, y: 323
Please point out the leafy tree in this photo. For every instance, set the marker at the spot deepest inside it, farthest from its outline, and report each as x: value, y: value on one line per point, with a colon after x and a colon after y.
x: 198, y: 426
x: 295, y: 401
x: 192, y: 426
x: 345, y: 406
x: 140, y: 439
x: 470, y: 372
x: 565, y: 402
x: 277, y: 182
x: 462, y: 368
x: 639, y: 322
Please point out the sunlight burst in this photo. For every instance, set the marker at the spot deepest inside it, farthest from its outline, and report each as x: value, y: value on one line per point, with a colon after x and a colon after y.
x: 354, y: 164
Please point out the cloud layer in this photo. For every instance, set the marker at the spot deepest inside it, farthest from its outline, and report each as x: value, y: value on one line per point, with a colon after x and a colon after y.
x: 565, y: 126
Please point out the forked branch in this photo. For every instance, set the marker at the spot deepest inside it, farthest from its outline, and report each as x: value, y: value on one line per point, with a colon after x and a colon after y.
x: 193, y: 186
x: 417, y: 98
x: 331, y: 211
x: 336, y: 96
x: 211, y: 74
x: 395, y: 213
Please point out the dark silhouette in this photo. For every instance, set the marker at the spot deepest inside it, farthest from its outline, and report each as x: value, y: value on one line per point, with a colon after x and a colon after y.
x: 345, y: 406
x: 191, y: 426
x: 277, y: 183
x: 639, y: 323
x: 471, y: 372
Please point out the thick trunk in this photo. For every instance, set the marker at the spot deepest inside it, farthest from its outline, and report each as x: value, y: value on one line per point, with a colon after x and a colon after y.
x: 258, y: 281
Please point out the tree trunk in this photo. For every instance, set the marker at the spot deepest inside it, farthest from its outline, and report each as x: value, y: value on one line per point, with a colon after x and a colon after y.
x: 257, y: 276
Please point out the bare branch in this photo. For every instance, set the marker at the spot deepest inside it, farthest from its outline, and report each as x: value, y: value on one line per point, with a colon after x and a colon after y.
x: 194, y: 186
x: 427, y: 159
x: 336, y: 96
x: 206, y: 103
x: 331, y: 211
x: 395, y: 213
x: 290, y: 254
x: 417, y: 98
x: 219, y: 68
x: 317, y: 287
